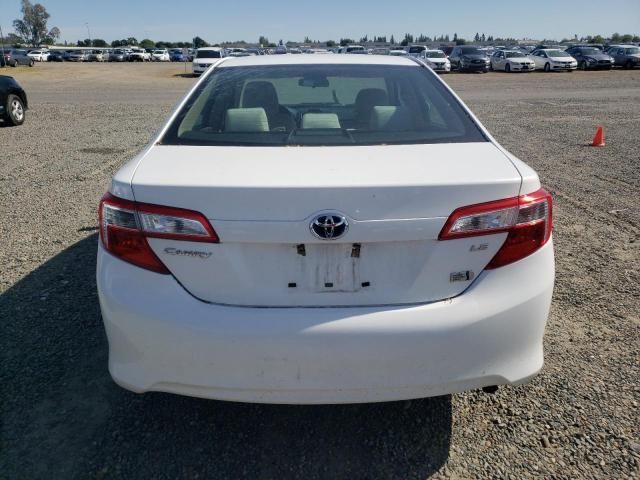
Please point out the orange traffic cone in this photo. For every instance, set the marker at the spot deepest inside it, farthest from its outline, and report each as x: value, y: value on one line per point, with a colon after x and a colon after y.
x: 598, y: 139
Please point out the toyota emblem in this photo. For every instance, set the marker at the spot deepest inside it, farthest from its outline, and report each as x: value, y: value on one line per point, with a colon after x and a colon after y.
x: 329, y: 226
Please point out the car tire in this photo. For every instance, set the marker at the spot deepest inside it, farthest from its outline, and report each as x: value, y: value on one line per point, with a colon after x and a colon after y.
x: 15, y: 110
x: 507, y: 68
x: 31, y: 63
x: 547, y: 67
x: 583, y: 65
x: 629, y: 65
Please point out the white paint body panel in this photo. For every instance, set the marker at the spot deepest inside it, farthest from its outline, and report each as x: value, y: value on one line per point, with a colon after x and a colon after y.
x: 261, y: 202
x: 163, y: 339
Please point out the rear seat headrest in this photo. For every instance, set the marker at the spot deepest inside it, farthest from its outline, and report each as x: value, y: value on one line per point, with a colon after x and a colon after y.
x: 386, y: 117
x: 246, y: 120
x: 320, y: 120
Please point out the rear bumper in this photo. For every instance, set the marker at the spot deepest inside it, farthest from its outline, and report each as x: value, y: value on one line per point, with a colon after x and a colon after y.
x: 162, y: 339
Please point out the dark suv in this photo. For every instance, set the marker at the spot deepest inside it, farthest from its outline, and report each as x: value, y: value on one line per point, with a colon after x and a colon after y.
x: 590, y: 58
x: 469, y: 59
x: 627, y: 56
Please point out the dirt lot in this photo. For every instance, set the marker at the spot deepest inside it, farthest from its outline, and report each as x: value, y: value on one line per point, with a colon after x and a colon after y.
x: 62, y: 416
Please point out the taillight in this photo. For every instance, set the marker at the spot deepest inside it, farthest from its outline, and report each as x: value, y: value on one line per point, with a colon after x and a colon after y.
x: 527, y: 219
x: 125, y: 226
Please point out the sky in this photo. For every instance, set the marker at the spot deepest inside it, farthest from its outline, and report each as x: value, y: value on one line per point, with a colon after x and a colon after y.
x: 330, y: 19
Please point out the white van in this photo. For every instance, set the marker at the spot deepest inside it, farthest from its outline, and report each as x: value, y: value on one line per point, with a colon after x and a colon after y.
x: 204, y: 57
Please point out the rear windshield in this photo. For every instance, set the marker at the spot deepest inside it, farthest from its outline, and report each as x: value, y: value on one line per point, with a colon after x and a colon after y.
x: 471, y: 51
x: 435, y: 55
x: 321, y: 105
x: 207, y: 54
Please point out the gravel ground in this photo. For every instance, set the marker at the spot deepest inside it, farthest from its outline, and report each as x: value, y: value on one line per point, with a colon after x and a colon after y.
x: 63, y: 417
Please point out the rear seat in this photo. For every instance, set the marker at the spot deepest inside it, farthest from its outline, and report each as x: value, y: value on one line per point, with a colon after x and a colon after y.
x: 246, y: 120
x: 390, y: 118
x: 320, y: 120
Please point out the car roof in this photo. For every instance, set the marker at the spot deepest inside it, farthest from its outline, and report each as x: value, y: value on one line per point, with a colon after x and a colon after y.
x: 215, y: 49
x: 317, y: 60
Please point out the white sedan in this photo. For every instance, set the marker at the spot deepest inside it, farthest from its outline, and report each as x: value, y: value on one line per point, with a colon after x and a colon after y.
x: 436, y: 59
x: 324, y: 229
x: 38, y: 55
x: 512, y: 61
x: 553, y: 59
x: 161, y: 55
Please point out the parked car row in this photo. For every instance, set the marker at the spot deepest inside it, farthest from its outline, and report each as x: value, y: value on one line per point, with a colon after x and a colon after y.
x: 463, y: 58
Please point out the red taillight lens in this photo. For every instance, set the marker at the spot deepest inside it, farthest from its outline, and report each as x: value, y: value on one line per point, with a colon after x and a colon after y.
x: 527, y: 219
x: 125, y: 226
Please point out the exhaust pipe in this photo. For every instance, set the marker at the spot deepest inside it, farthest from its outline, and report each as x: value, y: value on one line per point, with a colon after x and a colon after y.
x: 490, y: 389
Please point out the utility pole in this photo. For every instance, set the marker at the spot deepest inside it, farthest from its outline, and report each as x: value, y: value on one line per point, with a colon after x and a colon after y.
x: 1, y: 48
x: 88, y: 32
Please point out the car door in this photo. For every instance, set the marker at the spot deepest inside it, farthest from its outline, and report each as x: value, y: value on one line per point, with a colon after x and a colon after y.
x: 576, y: 53
x: 535, y: 56
x: 500, y: 61
x: 455, y: 57
x: 542, y: 58
x: 618, y: 55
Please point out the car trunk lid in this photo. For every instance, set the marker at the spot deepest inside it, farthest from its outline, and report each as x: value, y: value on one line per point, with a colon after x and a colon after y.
x: 262, y: 201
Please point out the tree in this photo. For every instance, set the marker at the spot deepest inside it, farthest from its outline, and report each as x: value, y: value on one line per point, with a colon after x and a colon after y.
x: 330, y: 43
x: 264, y: 41
x: 98, y: 42
x: 33, y: 25
x: 455, y: 37
x: 392, y: 41
x: 147, y: 43
x: 461, y: 41
x: 199, y: 43
x: 132, y: 41
x: 483, y: 38
x: 13, y: 39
